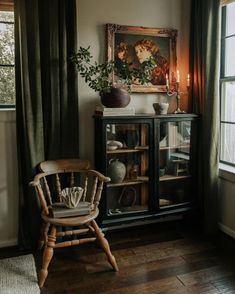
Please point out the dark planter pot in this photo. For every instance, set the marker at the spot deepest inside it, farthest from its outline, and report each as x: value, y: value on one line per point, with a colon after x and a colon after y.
x: 116, y: 98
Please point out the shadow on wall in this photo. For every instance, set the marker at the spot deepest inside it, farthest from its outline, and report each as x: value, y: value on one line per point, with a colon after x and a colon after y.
x: 86, y: 122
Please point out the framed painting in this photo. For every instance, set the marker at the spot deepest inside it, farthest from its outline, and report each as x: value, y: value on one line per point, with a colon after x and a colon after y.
x: 136, y: 44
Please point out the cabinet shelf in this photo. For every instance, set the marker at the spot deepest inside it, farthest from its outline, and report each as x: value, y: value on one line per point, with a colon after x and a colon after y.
x: 175, y: 147
x: 136, y: 149
x: 138, y: 181
x: 171, y: 177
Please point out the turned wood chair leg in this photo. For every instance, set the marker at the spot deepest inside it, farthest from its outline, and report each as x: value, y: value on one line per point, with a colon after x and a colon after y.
x: 47, y: 256
x: 104, y: 244
x: 43, y: 235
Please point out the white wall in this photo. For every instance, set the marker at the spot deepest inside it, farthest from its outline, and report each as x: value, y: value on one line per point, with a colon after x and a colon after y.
x: 8, y: 180
x: 92, y: 17
x: 226, y: 202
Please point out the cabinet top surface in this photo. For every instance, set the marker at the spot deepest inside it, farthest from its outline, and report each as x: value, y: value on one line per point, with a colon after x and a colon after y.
x: 147, y: 116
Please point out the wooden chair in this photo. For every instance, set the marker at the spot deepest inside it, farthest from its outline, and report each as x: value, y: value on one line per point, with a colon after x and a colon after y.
x: 54, y: 176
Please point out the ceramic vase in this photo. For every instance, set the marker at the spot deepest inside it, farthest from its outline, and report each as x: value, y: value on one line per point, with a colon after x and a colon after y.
x: 116, y: 170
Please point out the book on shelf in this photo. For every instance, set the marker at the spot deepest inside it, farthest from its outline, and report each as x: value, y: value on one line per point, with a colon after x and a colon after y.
x: 60, y: 210
x: 107, y: 111
x: 172, y: 135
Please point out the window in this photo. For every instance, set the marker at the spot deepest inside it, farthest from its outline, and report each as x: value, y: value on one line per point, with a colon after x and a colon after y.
x: 227, y: 83
x: 7, y: 69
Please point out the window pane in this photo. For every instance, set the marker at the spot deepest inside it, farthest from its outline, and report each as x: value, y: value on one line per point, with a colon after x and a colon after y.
x: 229, y: 57
x: 6, y: 43
x: 7, y: 16
x: 7, y: 85
x: 230, y: 21
x: 228, y: 102
x: 227, y: 143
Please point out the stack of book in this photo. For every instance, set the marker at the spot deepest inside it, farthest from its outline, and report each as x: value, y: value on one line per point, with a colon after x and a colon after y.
x: 106, y: 111
x: 60, y: 210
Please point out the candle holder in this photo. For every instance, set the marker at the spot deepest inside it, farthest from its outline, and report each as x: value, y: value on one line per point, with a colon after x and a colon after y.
x: 174, y: 89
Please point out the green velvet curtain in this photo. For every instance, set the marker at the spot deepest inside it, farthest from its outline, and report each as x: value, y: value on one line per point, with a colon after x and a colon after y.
x: 46, y: 95
x: 205, y: 55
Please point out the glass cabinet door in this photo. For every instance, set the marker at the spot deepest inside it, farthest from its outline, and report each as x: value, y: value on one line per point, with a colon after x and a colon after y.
x: 174, y: 169
x: 127, y: 157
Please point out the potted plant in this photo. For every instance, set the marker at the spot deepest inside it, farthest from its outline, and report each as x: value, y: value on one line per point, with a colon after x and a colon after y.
x: 97, y: 76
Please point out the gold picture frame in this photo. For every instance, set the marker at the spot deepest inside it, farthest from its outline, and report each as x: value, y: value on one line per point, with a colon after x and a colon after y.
x: 128, y: 41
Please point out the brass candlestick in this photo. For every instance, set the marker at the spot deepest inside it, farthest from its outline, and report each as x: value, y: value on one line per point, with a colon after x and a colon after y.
x: 175, y: 90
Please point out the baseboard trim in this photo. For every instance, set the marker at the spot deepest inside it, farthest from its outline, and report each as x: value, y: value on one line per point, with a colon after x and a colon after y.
x: 227, y: 230
x: 8, y: 243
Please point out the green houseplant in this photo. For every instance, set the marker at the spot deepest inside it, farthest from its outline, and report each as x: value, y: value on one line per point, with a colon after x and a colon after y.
x: 97, y: 76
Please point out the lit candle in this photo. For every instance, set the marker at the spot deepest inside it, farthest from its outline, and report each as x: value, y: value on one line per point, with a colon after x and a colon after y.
x: 188, y: 80
x: 178, y: 77
x: 167, y: 81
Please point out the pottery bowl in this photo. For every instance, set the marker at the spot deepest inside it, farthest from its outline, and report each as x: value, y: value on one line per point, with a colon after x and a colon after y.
x: 71, y: 196
x: 161, y: 107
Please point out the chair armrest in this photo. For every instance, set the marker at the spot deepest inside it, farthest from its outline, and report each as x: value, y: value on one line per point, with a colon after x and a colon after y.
x: 100, y: 176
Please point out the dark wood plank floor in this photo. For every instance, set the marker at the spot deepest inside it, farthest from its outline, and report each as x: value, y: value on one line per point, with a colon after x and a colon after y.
x: 158, y: 258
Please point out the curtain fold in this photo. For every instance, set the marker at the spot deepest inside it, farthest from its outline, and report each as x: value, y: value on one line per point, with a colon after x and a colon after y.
x: 205, y: 55
x: 46, y: 95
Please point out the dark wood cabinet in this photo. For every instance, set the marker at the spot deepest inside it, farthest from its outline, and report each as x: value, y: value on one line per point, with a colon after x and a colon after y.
x: 151, y: 162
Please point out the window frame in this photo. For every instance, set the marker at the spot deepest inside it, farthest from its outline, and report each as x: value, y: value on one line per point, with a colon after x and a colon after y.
x: 7, y: 106
x: 224, y: 79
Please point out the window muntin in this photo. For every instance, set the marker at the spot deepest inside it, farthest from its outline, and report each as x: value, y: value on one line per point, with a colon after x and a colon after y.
x: 7, y: 68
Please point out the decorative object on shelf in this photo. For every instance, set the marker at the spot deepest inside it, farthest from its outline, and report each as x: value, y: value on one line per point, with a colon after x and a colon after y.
x: 134, y: 171
x: 127, y: 197
x: 161, y: 107
x: 162, y: 171
x: 71, y: 196
x: 180, y: 167
x: 131, y: 138
x: 134, y: 45
x: 98, y: 77
x: 113, y: 145
x: 116, y: 170
x: 173, y: 88
x: 164, y: 202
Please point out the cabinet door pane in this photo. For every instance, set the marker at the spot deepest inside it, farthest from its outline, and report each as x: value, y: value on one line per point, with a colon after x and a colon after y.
x: 127, y: 157
x: 174, y: 163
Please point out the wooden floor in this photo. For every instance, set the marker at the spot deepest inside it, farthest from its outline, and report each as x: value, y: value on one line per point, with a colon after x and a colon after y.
x: 154, y: 259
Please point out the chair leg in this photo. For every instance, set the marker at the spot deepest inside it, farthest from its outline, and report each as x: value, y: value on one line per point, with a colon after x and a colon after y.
x: 47, y: 256
x: 43, y: 235
x: 104, y: 244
